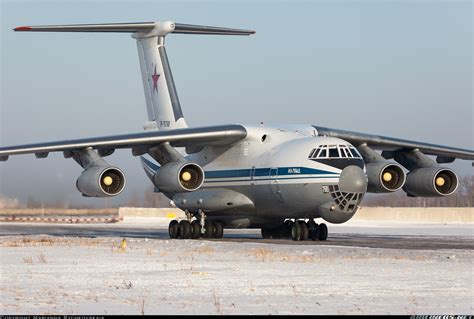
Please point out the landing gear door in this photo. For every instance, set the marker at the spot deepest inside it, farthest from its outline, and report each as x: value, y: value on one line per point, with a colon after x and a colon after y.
x: 275, y: 187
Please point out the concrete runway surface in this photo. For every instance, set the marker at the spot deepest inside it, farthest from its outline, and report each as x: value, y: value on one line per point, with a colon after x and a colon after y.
x: 388, y: 235
x: 363, y: 268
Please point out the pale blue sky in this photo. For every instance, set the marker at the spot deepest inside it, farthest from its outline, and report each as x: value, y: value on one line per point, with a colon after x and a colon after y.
x: 400, y: 68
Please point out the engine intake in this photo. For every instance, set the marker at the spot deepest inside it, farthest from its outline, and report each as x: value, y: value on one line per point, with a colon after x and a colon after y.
x: 384, y: 177
x: 177, y: 177
x: 100, y: 181
x: 431, y: 182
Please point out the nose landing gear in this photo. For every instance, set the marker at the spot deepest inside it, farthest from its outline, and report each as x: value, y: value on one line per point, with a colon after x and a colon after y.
x: 197, y: 228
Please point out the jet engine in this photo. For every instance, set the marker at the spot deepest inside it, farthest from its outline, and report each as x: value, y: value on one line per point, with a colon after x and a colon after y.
x: 178, y: 177
x: 384, y: 177
x: 101, y: 181
x: 431, y: 182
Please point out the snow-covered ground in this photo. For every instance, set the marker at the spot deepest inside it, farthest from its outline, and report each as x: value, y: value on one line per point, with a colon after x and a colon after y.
x: 77, y: 275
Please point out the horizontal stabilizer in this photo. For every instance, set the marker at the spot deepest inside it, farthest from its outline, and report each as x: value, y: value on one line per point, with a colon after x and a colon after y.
x: 162, y: 28
x: 103, y: 27
x: 200, y: 29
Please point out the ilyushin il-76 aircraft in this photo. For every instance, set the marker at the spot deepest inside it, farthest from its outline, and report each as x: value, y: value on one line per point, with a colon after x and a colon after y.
x: 282, y: 179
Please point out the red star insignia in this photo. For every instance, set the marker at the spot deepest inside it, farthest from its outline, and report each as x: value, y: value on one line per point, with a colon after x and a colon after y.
x: 155, y: 78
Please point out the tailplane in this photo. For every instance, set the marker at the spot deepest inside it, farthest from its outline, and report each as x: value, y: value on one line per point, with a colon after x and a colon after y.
x: 162, y: 102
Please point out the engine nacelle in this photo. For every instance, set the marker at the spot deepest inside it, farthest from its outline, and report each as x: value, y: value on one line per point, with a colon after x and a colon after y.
x: 431, y: 182
x: 178, y: 177
x: 384, y: 177
x: 101, y: 181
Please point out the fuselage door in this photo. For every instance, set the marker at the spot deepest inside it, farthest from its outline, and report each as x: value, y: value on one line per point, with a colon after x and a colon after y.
x: 252, y: 175
x: 275, y: 187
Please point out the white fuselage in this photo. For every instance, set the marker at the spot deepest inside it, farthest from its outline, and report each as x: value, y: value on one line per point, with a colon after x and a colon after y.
x: 271, y: 169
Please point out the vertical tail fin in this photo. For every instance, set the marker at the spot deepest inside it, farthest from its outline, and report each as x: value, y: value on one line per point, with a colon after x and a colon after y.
x: 162, y: 100
x: 163, y: 107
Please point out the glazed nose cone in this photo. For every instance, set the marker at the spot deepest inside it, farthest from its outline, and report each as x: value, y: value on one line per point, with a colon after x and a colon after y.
x: 353, y: 180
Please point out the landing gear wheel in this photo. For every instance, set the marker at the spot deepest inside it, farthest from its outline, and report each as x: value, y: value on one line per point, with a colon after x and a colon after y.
x: 289, y: 225
x: 304, y: 230
x: 296, y: 231
x: 214, y: 230
x: 266, y: 233
x: 313, y: 230
x: 208, y: 227
x: 323, y: 232
x: 184, y: 229
x: 218, y: 230
x: 195, y: 229
x: 173, y: 229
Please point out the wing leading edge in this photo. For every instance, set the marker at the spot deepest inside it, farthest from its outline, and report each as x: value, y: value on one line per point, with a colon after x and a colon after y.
x: 390, y: 145
x: 139, y: 142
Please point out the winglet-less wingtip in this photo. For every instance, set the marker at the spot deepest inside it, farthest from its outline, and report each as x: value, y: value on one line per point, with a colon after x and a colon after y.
x: 24, y: 28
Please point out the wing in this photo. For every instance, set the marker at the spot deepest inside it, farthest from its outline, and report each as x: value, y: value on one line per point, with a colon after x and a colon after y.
x: 139, y: 142
x: 390, y: 145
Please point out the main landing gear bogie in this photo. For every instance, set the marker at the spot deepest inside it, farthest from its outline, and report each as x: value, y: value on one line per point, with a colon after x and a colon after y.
x: 297, y: 230
x: 281, y: 232
x: 303, y: 231
x: 193, y: 230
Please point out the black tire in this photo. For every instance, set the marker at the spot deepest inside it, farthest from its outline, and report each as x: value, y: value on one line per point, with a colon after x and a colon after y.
x: 296, y: 231
x: 323, y: 232
x: 313, y: 231
x: 184, y: 229
x: 195, y: 229
x: 266, y: 233
x: 288, y: 224
x: 304, y: 230
x: 218, y: 230
x: 311, y: 223
x: 214, y: 230
x: 208, y: 227
x: 173, y: 229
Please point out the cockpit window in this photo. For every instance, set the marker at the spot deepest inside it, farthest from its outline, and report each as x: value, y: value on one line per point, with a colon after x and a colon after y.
x: 323, y: 153
x: 334, y: 151
x: 344, y: 151
x: 354, y: 152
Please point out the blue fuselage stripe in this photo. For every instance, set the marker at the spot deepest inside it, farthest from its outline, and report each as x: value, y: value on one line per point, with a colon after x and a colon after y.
x: 259, y: 174
x: 267, y: 179
x: 264, y: 172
